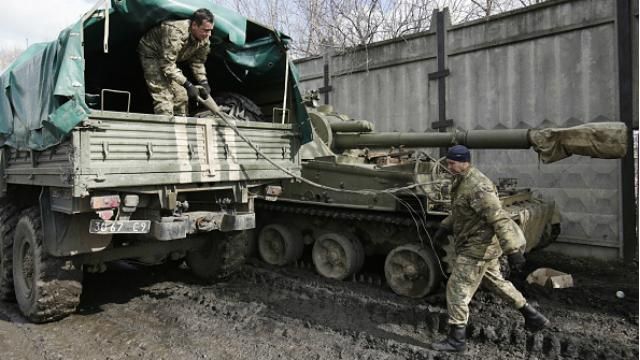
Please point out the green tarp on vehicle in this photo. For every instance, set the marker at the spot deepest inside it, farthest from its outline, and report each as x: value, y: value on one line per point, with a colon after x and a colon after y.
x: 43, y: 91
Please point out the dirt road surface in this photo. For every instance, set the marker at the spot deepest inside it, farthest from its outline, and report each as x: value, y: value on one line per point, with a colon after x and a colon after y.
x: 163, y: 312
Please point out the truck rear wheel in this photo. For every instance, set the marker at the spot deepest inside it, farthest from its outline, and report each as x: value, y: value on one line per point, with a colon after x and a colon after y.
x: 220, y: 257
x: 8, y: 220
x: 46, y: 288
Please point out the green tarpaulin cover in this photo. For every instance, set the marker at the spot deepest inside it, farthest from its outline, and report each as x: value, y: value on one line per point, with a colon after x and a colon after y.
x: 43, y: 91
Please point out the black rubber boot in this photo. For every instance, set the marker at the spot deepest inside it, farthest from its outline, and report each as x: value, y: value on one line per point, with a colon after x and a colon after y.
x: 533, y: 319
x: 454, y: 342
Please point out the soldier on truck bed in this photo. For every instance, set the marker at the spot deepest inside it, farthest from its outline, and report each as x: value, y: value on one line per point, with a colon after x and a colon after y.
x: 481, y: 230
x: 165, y: 45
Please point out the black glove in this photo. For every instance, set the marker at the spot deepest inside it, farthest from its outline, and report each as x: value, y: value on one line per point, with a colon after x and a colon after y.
x: 206, y: 89
x: 516, y: 261
x: 440, y: 235
x: 192, y: 91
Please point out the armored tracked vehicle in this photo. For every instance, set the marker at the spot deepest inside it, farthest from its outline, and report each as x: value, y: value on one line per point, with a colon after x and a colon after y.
x: 378, y: 196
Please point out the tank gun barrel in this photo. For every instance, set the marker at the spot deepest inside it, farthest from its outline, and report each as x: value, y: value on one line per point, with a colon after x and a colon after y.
x: 604, y: 140
x: 485, y: 139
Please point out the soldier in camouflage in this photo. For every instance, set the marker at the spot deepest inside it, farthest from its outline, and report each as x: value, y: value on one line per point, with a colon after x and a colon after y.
x: 167, y: 44
x: 482, y: 230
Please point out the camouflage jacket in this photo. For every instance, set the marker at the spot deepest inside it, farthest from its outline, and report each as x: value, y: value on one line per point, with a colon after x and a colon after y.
x: 171, y: 42
x: 477, y: 219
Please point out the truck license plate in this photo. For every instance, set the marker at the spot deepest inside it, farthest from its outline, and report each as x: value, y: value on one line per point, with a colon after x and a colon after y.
x: 119, y: 226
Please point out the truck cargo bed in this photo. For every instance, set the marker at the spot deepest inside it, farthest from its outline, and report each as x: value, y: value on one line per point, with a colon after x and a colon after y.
x: 114, y: 149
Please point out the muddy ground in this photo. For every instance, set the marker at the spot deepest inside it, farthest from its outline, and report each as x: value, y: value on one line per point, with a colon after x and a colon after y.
x: 163, y: 312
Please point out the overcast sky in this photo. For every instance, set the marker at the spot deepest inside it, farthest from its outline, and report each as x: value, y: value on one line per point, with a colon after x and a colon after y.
x: 33, y: 21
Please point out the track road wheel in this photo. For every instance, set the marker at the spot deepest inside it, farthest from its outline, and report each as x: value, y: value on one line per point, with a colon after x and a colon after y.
x: 337, y: 256
x: 46, y: 288
x: 220, y: 257
x: 8, y: 220
x: 412, y: 270
x: 278, y: 245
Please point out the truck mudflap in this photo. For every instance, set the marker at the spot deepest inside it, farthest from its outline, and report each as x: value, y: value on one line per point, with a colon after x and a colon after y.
x: 178, y: 227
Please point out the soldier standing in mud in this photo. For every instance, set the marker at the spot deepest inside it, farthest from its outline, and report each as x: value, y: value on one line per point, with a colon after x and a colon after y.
x: 165, y: 45
x: 482, y: 229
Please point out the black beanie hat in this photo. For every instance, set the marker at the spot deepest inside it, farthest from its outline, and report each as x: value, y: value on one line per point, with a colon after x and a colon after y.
x: 459, y: 153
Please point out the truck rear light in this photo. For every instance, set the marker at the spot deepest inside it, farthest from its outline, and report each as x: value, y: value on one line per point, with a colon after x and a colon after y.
x: 105, y: 202
x: 105, y: 214
x: 274, y: 190
x: 131, y: 200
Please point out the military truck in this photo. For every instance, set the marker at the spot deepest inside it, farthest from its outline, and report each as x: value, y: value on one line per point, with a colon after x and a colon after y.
x: 88, y: 174
x: 380, y: 196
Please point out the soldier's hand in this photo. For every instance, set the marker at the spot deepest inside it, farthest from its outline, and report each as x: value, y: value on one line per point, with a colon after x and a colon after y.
x: 192, y: 91
x: 206, y: 89
x: 440, y: 235
x: 516, y: 261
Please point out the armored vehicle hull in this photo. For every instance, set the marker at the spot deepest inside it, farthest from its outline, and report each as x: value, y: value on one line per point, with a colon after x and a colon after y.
x: 346, y: 228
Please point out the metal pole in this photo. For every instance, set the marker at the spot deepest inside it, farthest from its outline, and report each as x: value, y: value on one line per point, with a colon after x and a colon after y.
x: 440, y: 75
x: 625, y: 83
x: 286, y: 85
x: 442, y: 101
x: 326, y: 87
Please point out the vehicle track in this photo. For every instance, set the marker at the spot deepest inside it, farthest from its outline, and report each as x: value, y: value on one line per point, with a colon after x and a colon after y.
x: 492, y: 323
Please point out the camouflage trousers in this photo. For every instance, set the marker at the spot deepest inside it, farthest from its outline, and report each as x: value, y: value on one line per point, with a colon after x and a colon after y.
x: 168, y: 97
x: 465, y: 279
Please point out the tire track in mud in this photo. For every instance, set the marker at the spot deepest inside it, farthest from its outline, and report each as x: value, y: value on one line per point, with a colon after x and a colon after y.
x: 221, y: 323
x: 284, y: 306
x: 113, y: 332
x: 393, y: 327
x: 280, y: 336
x: 136, y: 330
x: 414, y: 322
x: 291, y: 313
x: 16, y: 339
x: 367, y: 304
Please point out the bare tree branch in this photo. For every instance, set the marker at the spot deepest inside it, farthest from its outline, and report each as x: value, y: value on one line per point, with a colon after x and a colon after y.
x: 316, y: 25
